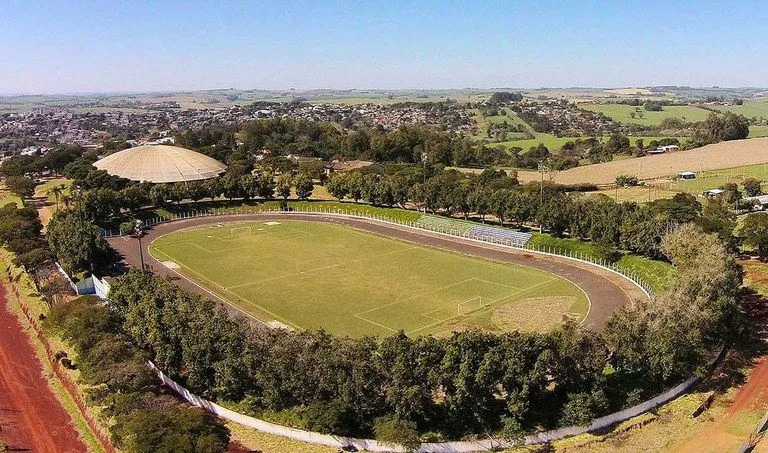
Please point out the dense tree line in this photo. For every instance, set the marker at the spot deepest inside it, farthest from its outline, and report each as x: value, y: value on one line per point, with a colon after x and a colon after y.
x: 470, y: 382
x: 20, y: 232
x: 141, y: 418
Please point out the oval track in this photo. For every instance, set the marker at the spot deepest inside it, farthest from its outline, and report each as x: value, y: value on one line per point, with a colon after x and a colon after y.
x: 605, y: 290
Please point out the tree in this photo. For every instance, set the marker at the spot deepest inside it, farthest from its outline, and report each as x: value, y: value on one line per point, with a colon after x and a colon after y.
x: 284, y: 184
x: 22, y: 186
x: 618, y: 143
x: 337, y: 186
x: 732, y: 195
x: 355, y: 183
x: 304, y: 186
x: 266, y: 182
x: 77, y: 243
x: 754, y: 232
x: 393, y: 431
x: 627, y: 181
x: 554, y: 214
x: 752, y: 187
x: 718, y: 217
x: 56, y: 191
x: 189, y: 430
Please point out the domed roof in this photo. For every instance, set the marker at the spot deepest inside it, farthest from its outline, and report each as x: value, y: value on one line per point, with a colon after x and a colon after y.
x: 160, y: 163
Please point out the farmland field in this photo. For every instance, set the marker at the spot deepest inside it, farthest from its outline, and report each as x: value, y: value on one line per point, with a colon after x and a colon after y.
x: 311, y: 275
x: 554, y: 143
x: 723, y: 155
x: 752, y: 108
x: 621, y: 113
x: 717, y: 178
x: 758, y: 131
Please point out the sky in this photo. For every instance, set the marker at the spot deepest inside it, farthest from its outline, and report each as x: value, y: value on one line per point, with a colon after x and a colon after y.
x: 58, y: 46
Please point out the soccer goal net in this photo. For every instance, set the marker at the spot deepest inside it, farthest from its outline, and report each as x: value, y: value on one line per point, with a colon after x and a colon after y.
x: 470, y: 305
x: 239, y: 232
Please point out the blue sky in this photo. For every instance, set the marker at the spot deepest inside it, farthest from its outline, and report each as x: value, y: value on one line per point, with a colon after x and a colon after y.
x: 107, y: 46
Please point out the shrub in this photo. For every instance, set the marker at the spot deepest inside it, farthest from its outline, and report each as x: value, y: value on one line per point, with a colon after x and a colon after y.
x: 394, y: 431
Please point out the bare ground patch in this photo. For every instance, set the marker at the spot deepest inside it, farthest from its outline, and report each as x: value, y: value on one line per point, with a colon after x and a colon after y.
x: 533, y: 313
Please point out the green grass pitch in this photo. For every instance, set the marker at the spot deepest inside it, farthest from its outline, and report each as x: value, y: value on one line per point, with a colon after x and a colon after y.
x: 312, y: 275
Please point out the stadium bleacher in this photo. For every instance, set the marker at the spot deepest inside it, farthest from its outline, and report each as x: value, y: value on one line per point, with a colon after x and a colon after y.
x: 483, y: 232
x: 480, y: 232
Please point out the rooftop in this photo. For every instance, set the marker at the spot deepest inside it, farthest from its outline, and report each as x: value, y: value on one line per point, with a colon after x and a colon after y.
x: 160, y: 163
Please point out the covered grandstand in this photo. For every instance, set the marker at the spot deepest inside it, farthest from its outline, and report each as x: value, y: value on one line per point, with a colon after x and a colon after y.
x: 160, y: 164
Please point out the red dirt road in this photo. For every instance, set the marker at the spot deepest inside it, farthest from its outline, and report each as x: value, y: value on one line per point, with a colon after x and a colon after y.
x: 31, y: 417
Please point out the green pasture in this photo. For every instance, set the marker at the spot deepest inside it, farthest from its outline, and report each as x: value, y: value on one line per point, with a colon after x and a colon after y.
x: 311, y: 275
x: 714, y: 179
x: 752, y: 108
x: 758, y: 131
x: 621, y: 113
x: 554, y: 143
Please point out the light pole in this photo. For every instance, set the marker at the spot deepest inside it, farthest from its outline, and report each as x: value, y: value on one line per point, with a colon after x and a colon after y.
x: 138, y: 231
x: 541, y: 191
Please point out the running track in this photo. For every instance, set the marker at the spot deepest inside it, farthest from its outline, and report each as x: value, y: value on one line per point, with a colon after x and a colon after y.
x: 606, y: 291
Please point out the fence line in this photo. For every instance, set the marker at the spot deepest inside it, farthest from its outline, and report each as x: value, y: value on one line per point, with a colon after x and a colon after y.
x: 379, y: 217
x: 355, y: 444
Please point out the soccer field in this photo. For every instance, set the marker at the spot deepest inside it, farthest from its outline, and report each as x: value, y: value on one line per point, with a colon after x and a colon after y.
x: 312, y: 275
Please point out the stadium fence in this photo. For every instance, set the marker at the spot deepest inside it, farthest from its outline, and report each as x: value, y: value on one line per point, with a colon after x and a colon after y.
x: 490, y: 444
x: 477, y: 233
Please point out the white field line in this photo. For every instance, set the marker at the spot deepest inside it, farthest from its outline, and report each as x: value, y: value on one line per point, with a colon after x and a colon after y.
x: 322, y: 268
x: 493, y: 302
x: 223, y: 299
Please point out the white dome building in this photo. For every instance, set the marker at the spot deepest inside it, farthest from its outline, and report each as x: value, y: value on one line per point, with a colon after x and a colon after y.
x: 160, y: 163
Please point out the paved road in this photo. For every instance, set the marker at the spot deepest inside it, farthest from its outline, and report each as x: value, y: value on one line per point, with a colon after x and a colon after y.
x: 606, y: 291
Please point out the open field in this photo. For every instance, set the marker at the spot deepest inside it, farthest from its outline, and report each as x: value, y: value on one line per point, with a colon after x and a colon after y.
x: 758, y: 131
x: 483, y: 122
x: 731, y: 154
x: 554, y: 143
x: 638, y: 194
x: 311, y: 275
x: 716, y: 178
x: 621, y: 113
x: 752, y: 108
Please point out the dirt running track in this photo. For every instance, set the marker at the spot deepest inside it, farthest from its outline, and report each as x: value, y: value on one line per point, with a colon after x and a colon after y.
x: 606, y: 290
x: 31, y: 417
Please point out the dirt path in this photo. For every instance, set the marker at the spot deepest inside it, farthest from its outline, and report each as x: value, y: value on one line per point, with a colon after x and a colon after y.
x: 605, y: 290
x: 31, y: 417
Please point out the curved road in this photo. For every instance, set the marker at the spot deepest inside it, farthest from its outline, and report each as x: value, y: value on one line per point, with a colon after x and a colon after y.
x: 606, y: 291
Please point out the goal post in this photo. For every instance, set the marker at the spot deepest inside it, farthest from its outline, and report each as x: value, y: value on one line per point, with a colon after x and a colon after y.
x: 238, y: 232
x: 469, y: 305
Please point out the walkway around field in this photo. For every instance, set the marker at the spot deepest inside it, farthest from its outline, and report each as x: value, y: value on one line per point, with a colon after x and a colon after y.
x: 605, y: 289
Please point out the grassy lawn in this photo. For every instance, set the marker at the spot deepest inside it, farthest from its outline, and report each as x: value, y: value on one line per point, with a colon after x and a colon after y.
x: 44, y: 188
x: 269, y: 443
x: 311, y: 275
x: 717, y: 178
x: 657, y: 274
x: 621, y: 113
x: 7, y: 198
